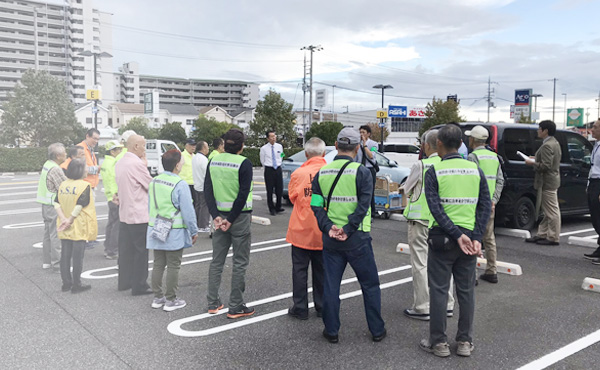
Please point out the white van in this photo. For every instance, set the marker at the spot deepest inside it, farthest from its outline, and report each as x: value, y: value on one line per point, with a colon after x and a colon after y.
x: 154, y: 151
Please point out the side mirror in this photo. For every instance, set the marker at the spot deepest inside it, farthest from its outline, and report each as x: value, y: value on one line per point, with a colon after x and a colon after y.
x: 393, y: 163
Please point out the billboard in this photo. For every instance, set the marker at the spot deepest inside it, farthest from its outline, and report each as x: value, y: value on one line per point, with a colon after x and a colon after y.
x: 148, y: 103
x: 523, y: 97
x: 397, y: 111
x: 321, y: 97
x: 575, y: 117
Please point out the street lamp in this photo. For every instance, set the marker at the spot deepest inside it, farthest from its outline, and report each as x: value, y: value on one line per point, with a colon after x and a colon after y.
x: 381, y: 124
x: 535, y: 96
x: 87, y: 53
x: 565, y: 94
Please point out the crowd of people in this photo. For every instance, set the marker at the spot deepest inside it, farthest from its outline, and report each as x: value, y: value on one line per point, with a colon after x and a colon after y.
x: 450, y: 214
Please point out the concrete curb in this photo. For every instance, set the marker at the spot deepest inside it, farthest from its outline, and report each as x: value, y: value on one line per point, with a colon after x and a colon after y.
x: 502, y: 267
x: 7, y: 174
x: 33, y: 173
x: 582, y: 242
x: 591, y: 284
x: 397, y: 217
x: 513, y: 232
x: 261, y: 220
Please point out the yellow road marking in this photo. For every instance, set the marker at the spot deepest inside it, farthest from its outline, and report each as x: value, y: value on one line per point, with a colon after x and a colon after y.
x: 259, y: 183
x: 18, y: 183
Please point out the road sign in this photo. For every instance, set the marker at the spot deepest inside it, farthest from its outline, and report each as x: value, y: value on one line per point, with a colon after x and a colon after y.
x: 523, y: 97
x: 321, y: 97
x: 522, y: 111
x: 93, y: 94
x: 382, y: 124
x: 382, y: 114
x: 575, y: 117
x: 397, y: 111
x: 94, y: 110
x: 454, y: 98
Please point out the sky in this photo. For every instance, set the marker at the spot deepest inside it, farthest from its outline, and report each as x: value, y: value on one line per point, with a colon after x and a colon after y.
x: 423, y: 48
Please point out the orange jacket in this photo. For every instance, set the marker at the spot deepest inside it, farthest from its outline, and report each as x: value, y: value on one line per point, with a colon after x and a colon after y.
x: 65, y: 164
x: 90, y: 161
x: 303, y: 231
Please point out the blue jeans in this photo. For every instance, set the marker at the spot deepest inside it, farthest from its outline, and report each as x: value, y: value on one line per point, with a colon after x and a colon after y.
x: 362, y: 262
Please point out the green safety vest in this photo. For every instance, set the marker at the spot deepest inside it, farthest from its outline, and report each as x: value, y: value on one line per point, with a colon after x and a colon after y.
x: 120, y: 155
x: 458, y: 187
x: 164, y: 185
x: 418, y: 209
x: 44, y: 196
x: 108, y: 177
x: 213, y: 154
x: 186, y: 169
x: 225, y: 177
x: 344, y: 199
x: 489, y: 164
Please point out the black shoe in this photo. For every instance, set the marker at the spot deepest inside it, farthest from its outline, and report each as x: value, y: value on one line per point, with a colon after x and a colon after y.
x: 596, y: 261
x: 142, y: 292
x: 490, y: 278
x: 415, y: 315
x: 533, y: 239
x: 546, y: 242
x: 379, y: 338
x: 66, y: 287
x: 280, y: 210
x: 241, y: 311
x: 272, y: 212
x: 295, y: 315
x: 592, y: 256
x: 331, y: 338
x: 80, y: 288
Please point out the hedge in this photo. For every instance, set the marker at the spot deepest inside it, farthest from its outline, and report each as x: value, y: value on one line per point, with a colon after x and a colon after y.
x: 254, y: 154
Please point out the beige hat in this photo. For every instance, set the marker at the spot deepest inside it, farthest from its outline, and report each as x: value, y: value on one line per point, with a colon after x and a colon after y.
x: 478, y: 132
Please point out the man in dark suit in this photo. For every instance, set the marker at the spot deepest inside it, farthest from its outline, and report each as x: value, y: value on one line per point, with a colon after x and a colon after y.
x: 546, y: 165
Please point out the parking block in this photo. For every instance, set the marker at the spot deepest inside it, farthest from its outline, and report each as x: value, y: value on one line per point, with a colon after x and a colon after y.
x: 397, y: 217
x: 403, y: 248
x: 582, y: 242
x: 591, y: 284
x: 513, y: 232
x: 261, y: 220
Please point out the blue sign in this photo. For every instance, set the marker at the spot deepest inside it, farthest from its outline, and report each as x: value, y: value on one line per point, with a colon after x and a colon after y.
x: 94, y: 110
x: 382, y: 124
x: 397, y: 111
x: 523, y: 97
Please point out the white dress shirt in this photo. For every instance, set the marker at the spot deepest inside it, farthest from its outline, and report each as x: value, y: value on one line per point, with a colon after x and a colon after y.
x: 266, y: 157
x: 199, y: 164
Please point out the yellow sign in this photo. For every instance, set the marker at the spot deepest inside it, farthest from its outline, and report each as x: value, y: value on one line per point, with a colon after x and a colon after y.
x: 92, y: 94
x: 382, y: 114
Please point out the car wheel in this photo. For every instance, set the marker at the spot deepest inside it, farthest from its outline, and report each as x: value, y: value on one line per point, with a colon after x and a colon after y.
x: 524, y: 214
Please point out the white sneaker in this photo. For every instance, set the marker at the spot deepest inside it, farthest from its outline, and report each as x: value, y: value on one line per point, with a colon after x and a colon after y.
x: 174, y: 304
x: 46, y: 266
x: 204, y: 230
x: 464, y: 349
x: 158, y: 302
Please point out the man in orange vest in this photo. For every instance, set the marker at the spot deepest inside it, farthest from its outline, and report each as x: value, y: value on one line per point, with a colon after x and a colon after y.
x: 91, y: 140
x: 304, y: 234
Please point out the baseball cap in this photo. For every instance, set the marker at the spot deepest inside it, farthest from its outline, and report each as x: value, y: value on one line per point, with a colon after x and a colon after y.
x: 348, y: 135
x: 478, y: 132
x: 112, y: 145
x: 190, y: 142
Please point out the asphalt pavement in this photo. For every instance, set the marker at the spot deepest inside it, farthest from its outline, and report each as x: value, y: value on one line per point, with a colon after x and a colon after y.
x: 517, y: 321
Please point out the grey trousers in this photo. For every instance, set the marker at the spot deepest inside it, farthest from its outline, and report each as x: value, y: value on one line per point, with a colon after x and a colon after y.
x: 202, y: 213
x: 441, y: 265
x: 549, y: 228
x: 172, y: 261
x: 51, y: 243
x: 111, y: 242
x: 238, y: 237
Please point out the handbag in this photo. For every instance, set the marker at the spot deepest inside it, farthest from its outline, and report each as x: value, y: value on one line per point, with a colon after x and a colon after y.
x: 162, y: 225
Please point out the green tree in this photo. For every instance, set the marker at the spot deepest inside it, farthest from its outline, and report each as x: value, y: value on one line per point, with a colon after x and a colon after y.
x: 273, y: 113
x: 376, y: 132
x: 208, y: 129
x: 173, y: 131
x: 524, y: 119
x: 140, y: 126
x: 440, y: 112
x: 326, y: 131
x: 39, y: 113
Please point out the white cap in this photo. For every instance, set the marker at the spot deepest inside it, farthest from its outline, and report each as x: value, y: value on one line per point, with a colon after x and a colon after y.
x: 125, y: 136
x: 478, y: 132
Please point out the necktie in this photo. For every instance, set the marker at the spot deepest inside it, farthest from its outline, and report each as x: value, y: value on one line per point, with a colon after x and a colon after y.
x: 273, y: 157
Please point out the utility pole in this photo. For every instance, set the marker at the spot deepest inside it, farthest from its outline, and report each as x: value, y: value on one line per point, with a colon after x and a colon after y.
x: 553, y: 98
x: 333, y: 103
x: 490, y: 104
x: 312, y: 49
x: 598, y: 100
x: 304, y: 88
x: 87, y: 53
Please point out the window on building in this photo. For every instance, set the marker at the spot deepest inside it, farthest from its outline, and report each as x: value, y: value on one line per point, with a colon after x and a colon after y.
x: 89, y: 120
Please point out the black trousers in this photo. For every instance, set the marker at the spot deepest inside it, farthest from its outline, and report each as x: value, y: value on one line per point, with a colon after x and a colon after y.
x: 195, y: 201
x: 593, y: 191
x: 374, y: 176
x: 301, y: 258
x: 71, y: 250
x: 133, y: 257
x: 274, y: 180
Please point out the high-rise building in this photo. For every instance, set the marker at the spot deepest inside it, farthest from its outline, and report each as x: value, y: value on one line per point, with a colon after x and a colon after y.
x: 49, y: 36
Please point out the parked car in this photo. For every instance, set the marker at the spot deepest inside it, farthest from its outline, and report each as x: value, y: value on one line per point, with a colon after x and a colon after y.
x: 517, y: 204
x: 386, y: 167
x: 404, y: 155
x: 154, y: 151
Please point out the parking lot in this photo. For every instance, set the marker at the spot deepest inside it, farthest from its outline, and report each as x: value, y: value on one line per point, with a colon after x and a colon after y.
x: 517, y: 322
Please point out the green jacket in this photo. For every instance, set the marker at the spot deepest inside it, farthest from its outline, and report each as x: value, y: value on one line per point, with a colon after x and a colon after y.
x: 108, y: 177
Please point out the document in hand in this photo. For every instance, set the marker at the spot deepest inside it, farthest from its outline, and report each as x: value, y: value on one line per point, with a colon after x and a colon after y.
x: 524, y: 156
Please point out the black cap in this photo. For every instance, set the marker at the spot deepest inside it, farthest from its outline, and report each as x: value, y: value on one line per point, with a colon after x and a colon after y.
x: 190, y: 142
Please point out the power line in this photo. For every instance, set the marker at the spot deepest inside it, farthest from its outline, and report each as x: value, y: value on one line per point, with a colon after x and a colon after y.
x: 206, y: 59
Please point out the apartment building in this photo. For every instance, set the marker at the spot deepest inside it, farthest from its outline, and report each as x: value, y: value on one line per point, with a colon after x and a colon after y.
x: 49, y: 36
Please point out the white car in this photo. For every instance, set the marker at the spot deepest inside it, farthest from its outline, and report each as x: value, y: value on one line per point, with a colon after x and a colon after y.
x: 154, y: 151
x: 404, y: 154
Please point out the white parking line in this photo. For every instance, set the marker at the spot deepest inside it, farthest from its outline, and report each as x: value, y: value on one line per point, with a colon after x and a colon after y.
x: 28, y: 225
x: 576, y: 232
x: 564, y: 352
x: 90, y: 273
x: 19, y: 188
x: 38, y: 209
x: 21, y: 193
x: 175, y: 326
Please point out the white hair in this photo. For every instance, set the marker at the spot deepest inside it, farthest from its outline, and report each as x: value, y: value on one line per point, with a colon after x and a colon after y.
x: 54, y: 150
x: 314, y: 147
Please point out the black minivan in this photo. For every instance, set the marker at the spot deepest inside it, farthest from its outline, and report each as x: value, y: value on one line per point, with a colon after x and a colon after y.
x: 517, y: 204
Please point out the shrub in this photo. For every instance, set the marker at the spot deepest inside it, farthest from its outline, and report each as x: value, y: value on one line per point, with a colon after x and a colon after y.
x: 254, y: 154
x: 22, y: 159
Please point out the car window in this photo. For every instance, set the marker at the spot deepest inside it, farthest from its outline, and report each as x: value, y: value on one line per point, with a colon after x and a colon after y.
x: 150, y: 146
x: 381, y: 160
x: 165, y: 147
x: 298, y: 157
x: 523, y: 140
x: 578, y: 151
